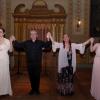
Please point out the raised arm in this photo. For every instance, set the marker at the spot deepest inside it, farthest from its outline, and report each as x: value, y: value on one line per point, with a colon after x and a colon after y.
x: 50, y: 37
x: 46, y: 46
x: 81, y: 46
x: 10, y: 47
x: 55, y: 44
x: 92, y: 46
x: 18, y: 46
x: 11, y: 39
x: 86, y: 42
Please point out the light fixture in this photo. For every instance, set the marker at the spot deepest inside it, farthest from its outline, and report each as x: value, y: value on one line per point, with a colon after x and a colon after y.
x: 78, y: 25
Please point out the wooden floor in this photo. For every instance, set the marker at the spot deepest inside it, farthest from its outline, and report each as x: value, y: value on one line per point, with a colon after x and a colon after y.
x: 21, y: 87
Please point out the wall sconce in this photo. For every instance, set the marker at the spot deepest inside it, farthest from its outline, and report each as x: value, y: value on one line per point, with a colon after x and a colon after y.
x: 78, y: 24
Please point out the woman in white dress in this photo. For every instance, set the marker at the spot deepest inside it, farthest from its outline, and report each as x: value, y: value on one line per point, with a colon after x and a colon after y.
x: 5, y: 46
x: 66, y: 63
x: 95, y: 82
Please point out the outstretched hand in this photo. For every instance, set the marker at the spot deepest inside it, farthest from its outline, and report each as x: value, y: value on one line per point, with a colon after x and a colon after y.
x: 48, y: 35
x: 12, y: 38
x: 92, y: 40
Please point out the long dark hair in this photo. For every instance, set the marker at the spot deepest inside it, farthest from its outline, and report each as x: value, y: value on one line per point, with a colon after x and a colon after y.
x: 69, y: 44
x: 69, y: 53
x: 2, y: 29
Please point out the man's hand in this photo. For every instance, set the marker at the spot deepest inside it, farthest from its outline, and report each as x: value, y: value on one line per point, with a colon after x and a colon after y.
x: 48, y: 35
x: 12, y: 38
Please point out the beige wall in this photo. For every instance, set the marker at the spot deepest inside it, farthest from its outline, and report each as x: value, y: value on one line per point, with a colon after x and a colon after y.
x: 70, y: 6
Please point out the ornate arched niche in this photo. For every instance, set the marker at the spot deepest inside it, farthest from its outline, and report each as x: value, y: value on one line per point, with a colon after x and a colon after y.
x: 39, y: 17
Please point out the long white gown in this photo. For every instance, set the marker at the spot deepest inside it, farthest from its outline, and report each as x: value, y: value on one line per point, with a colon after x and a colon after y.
x: 5, y: 83
x: 62, y: 57
x: 95, y: 83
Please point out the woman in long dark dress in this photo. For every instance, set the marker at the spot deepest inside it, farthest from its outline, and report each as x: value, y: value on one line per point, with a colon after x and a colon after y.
x: 66, y: 63
x: 33, y: 49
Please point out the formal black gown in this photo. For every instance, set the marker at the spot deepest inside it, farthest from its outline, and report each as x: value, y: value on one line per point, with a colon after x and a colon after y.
x: 65, y: 78
x: 34, y: 58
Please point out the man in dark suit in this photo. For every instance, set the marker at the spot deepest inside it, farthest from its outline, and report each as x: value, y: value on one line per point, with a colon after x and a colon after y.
x: 33, y: 49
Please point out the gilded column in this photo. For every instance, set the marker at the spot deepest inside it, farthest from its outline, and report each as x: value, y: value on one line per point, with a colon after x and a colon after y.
x: 54, y: 31
x: 61, y: 31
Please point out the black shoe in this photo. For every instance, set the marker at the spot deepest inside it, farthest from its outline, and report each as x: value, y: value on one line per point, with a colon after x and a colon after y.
x: 31, y: 92
x: 37, y: 92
